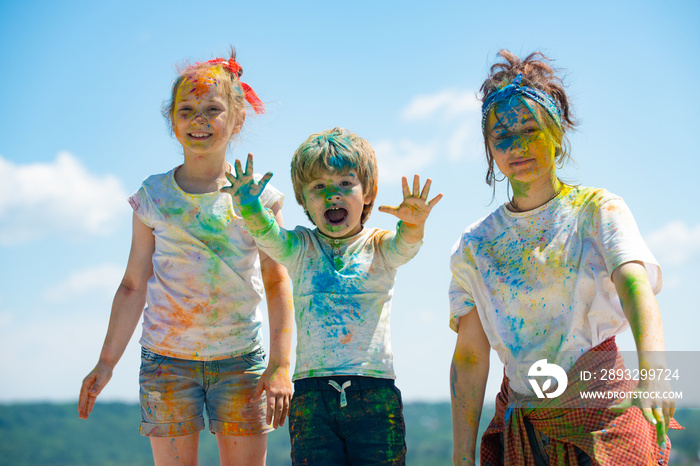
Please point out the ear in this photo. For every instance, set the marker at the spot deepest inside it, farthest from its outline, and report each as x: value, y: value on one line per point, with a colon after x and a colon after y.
x: 303, y: 201
x: 240, y: 119
x: 370, y: 197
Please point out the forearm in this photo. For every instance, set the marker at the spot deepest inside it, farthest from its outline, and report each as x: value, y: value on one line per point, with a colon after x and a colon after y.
x: 412, y: 233
x: 255, y: 216
x: 642, y: 311
x: 281, y: 320
x: 269, y: 235
x: 127, y: 308
x: 468, y: 384
x: 645, y: 320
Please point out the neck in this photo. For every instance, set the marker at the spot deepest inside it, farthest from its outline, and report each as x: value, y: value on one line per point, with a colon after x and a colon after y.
x: 529, y: 196
x: 202, y: 174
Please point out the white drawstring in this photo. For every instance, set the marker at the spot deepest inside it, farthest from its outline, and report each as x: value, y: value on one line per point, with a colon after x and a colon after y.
x: 343, y: 398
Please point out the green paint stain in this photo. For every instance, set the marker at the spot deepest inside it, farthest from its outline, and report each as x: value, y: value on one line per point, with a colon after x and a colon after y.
x: 520, y: 188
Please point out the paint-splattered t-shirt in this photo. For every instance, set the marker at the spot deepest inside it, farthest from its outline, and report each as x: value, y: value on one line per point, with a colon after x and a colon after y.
x: 541, y: 280
x: 202, y: 301
x: 342, y: 297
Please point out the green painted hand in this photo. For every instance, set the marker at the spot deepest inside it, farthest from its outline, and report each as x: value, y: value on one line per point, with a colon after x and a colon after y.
x: 244, y: 189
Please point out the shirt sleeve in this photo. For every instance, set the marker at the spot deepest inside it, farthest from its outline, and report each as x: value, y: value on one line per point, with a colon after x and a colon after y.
x: 143, y: 207
x: 283, y: 246
x: 460, y: 291
x: 621, y: 242
x: 396, y: 251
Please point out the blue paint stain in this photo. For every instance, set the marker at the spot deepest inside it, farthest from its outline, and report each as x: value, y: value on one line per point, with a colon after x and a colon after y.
x: 514, y: 326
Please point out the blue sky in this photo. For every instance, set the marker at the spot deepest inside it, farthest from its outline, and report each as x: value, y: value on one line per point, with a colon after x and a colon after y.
x: 82, y: 87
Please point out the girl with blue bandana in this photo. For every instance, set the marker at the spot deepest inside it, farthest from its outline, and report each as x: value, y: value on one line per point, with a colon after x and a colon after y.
x: 547, y: 280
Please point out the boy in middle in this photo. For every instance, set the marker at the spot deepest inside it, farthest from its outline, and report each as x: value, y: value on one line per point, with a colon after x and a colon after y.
x: 346, y: 408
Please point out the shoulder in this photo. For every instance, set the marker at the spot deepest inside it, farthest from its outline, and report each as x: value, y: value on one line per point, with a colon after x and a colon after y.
x: 482, y: 230
x: 304, y: 231
x: 307, y: 238
x: 583, y: 197
x: 159, y: 182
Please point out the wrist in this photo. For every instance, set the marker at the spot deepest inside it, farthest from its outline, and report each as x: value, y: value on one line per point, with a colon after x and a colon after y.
x: 275, y: 364
x: 410, y: 232
x: 106, y: 362
x: 251, y: 208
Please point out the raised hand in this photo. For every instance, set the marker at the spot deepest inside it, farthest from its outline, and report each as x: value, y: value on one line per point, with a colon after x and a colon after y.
x: 244, y: 189
x: 415, y: 208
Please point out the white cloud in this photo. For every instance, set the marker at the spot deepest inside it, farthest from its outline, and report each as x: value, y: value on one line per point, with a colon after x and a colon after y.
x: 103, y: 279
x: 403, y: 158
x: 465, y: 141
x: 675, y: 243
x: 62, y: 197
x: 448, y: 103
x: 454, y: 117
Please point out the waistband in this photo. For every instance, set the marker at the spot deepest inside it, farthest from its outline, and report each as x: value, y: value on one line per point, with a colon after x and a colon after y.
x: 358, y: 382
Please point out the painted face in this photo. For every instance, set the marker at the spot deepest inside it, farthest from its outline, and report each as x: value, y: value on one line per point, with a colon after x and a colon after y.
x: 335, y: 202
x: 521, y: 150
x: 202, y: 121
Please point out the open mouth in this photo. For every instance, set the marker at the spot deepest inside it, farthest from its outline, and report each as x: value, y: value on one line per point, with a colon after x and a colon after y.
x: 335, y: 215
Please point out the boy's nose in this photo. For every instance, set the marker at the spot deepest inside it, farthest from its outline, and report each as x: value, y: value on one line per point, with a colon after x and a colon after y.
x: 199, y: 118
x: 332, y: 195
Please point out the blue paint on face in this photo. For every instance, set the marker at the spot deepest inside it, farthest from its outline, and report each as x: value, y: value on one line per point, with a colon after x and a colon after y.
x: 520, y: 148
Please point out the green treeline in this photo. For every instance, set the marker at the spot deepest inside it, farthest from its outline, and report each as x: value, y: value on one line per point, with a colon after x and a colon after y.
x: 51, y: 434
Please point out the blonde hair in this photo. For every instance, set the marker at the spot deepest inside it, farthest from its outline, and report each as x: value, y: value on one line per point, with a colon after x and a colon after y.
x: 336, y: 151
x: 230, y: 83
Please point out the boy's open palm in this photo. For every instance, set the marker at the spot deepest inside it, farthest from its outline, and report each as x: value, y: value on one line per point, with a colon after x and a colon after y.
x: 415, y: 208
x: 244, y: 188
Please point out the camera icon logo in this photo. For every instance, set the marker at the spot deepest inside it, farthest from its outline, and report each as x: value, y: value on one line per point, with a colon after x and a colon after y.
x: 542, y: 368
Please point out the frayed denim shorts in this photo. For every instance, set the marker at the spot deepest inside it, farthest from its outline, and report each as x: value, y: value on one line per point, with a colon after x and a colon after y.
x: 174, y: 393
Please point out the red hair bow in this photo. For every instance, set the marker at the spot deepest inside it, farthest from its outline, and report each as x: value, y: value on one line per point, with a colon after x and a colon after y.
x: 233, y: 67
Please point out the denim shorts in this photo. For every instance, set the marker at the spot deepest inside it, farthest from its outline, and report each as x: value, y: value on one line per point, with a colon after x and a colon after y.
x: 174, y: 392
x: 368, y: 429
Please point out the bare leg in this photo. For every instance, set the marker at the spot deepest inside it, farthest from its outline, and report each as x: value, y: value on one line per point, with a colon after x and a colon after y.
x: 242, y: 450
x: 181, y: 450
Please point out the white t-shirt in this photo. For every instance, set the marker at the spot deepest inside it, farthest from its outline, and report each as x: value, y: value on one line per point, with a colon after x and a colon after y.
x: 541, y: 280
x: 342, y: 297
x: 202, y: 301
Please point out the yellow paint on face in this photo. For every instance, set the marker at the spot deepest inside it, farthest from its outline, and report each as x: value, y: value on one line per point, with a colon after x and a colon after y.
x: 521, y: 150
x: 199, y: 84
x: 202, y: 120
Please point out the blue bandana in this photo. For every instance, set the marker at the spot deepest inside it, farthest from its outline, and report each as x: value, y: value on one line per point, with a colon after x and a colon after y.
x: 542, y: 98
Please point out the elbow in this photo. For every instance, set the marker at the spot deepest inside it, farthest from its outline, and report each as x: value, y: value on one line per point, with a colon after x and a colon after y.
x: 132, y: 287
x: 273, y: 274
x: 468, y: 368
x: 462, y: 359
